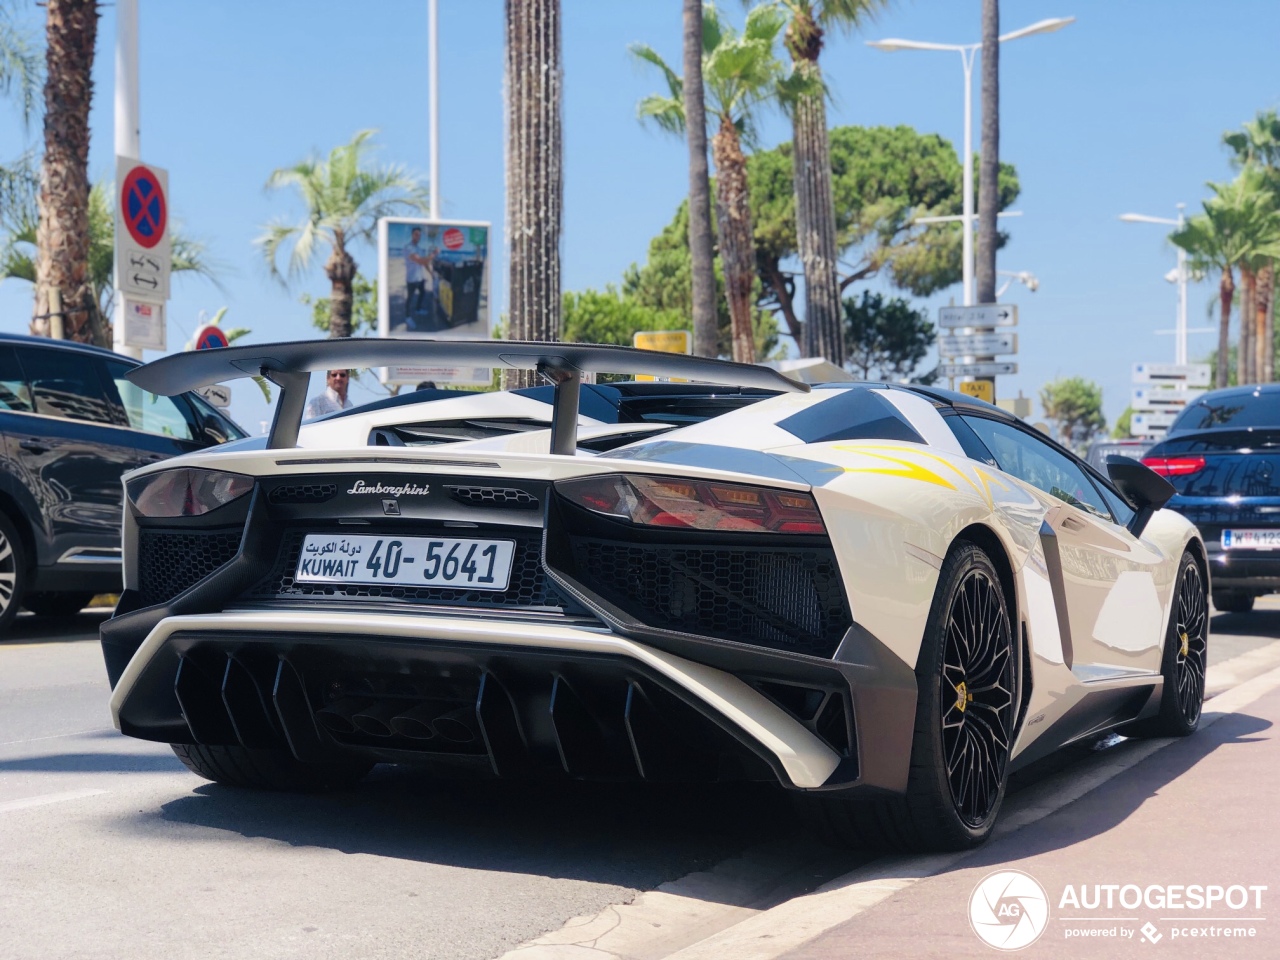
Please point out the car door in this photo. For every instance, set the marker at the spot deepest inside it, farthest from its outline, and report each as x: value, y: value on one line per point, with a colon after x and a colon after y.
x: 1107, y: 576
x: 71, y: 454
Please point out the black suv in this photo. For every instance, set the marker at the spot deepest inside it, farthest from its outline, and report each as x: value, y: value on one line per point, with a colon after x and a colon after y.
x: 70, y: 425
x: 1222, y: 454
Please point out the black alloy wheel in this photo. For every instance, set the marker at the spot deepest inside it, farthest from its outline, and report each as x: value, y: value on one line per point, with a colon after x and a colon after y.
x: 13, y: 573
x: 968, y: 677
x: 977, y: 702
x: 1191, y: 640
x: 1186, y: 654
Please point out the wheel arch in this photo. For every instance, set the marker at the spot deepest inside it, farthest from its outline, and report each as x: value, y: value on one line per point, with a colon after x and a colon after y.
x: 14, y: 514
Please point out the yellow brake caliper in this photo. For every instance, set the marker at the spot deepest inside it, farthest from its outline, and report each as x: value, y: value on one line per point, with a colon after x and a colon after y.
x: 1186, y: 643
x: 963, y: 696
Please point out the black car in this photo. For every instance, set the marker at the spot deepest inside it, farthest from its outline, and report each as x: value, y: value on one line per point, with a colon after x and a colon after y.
x: 1223, y: 456
x: 70, y: 425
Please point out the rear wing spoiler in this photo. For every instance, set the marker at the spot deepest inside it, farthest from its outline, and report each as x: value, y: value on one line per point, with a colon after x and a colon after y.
x: 289, y: 366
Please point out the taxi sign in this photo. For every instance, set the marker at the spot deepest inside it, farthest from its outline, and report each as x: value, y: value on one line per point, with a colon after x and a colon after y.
x: 663, y: 341
x: 980, y: 389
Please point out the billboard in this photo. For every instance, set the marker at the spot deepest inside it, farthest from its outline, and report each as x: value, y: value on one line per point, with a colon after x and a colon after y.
x: 433, y: 282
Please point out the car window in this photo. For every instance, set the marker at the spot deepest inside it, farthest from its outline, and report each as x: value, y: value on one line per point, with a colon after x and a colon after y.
x: 66, y: 384
x: 14, y: 392
x: 1028, y: 458
x: 1230, y: 408
x: 227, y: 430
x: 150, y: 412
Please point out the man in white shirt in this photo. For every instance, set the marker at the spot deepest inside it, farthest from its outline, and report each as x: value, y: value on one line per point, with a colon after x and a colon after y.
x: 417, y: 270
x: 334, y: 397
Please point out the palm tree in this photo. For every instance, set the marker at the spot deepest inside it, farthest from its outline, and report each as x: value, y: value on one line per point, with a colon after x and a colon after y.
x: 1258, y: 146
x: 740, y: 72
x: 64, y: 296
x: 989, y: 162
x: 1208, y: 240
x: 535, y: 173
x: 345, y: 197
x: 21, y: 75
x: 809, y: 22
x: 18, y: 254
x: 701, y: 246
x: 1240, y: 228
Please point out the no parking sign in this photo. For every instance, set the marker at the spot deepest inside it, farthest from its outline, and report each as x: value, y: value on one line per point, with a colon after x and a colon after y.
x: 142, y: 231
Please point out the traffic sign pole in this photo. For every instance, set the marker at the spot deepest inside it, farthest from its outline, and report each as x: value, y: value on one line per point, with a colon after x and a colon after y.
x: 127, y: 138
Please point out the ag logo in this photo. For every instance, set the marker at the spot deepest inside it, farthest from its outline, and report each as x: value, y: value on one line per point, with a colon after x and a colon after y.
x: 1009, y: 910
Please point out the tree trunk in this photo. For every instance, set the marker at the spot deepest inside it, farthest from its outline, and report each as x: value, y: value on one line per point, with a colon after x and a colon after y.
x: 62, y: 235
x: 989, y: 162
x: 1226, y: 291
x: 1264, y: 348
x: 815, y: 205
x: 773, y: 273
x: 701, y: 248
x: 340, y: 268
x: 737, y: 248
x: 535, y: 175
x: 1245, y: 351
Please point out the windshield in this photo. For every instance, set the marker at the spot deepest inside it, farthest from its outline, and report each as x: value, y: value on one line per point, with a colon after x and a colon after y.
x: 1237, y: 409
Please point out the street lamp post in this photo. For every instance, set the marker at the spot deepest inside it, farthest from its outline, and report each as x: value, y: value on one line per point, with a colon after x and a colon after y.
x: 1180, y: 331
x: 968, y: 52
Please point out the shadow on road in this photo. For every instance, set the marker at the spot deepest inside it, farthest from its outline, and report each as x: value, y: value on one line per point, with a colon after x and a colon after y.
x: 1258, y: 623
x: 633, y: 835
x: 28, y: 628
x: 104, y: 762
x: 1109, y: 805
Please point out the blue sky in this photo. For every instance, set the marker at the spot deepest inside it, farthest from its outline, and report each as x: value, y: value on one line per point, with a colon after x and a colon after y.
x: 1121, y: 111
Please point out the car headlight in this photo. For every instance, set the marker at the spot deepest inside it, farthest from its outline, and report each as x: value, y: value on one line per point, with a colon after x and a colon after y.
x: 185, y: 492
x: 696, y: 504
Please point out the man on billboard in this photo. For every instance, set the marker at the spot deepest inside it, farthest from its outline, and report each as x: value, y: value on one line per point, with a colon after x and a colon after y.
x: 420, y: 294
x: 433, y: 281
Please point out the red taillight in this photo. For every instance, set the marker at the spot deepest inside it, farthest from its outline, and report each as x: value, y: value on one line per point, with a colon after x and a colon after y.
x: 185, y: 492
x: 1174, y: 466
x: 687, y: 504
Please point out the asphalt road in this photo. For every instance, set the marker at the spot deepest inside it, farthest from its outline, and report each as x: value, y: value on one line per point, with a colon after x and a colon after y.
x: 109, y: 848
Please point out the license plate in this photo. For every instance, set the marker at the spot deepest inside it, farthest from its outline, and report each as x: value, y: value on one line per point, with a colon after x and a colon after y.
x: 1250, y: 539
x: 406, y: 561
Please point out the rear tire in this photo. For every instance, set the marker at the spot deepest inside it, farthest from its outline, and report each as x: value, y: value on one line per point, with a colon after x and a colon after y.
x: 57, y: 604
x: 965, y: 712
x: 1186, y: 652
x: 14, y: 573
x: 267, y: 769
x: 1227, y: 601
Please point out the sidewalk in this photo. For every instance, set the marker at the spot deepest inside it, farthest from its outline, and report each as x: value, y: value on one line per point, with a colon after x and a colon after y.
x: 1204, y: 810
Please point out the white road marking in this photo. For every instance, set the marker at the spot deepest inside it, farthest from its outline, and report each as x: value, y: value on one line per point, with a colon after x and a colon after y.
x: 48, y: 798
x: 59, y: 736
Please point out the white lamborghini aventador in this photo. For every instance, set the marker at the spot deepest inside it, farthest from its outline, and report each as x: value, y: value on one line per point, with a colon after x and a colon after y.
x: 884, y: 598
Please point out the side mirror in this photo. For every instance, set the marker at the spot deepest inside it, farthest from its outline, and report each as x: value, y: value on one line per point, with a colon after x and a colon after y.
x: 1145, y: 489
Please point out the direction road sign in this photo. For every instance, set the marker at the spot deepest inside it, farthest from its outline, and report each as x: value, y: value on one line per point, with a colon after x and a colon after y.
x: 142, y: 246
x: 1156, y: 397
x: 1190, y: 374
x: 978, y: 344
x: 996, y: 368
x: 210, y: 337
x: 983, y: 315
x: 1144, y: 424
x: 982, y: 389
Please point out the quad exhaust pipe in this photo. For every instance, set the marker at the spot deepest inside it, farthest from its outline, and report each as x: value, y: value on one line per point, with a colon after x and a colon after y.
x: 388, y: 718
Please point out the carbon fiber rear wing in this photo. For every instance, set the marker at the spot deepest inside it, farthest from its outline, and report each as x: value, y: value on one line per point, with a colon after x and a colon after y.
x: 289, y: 366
